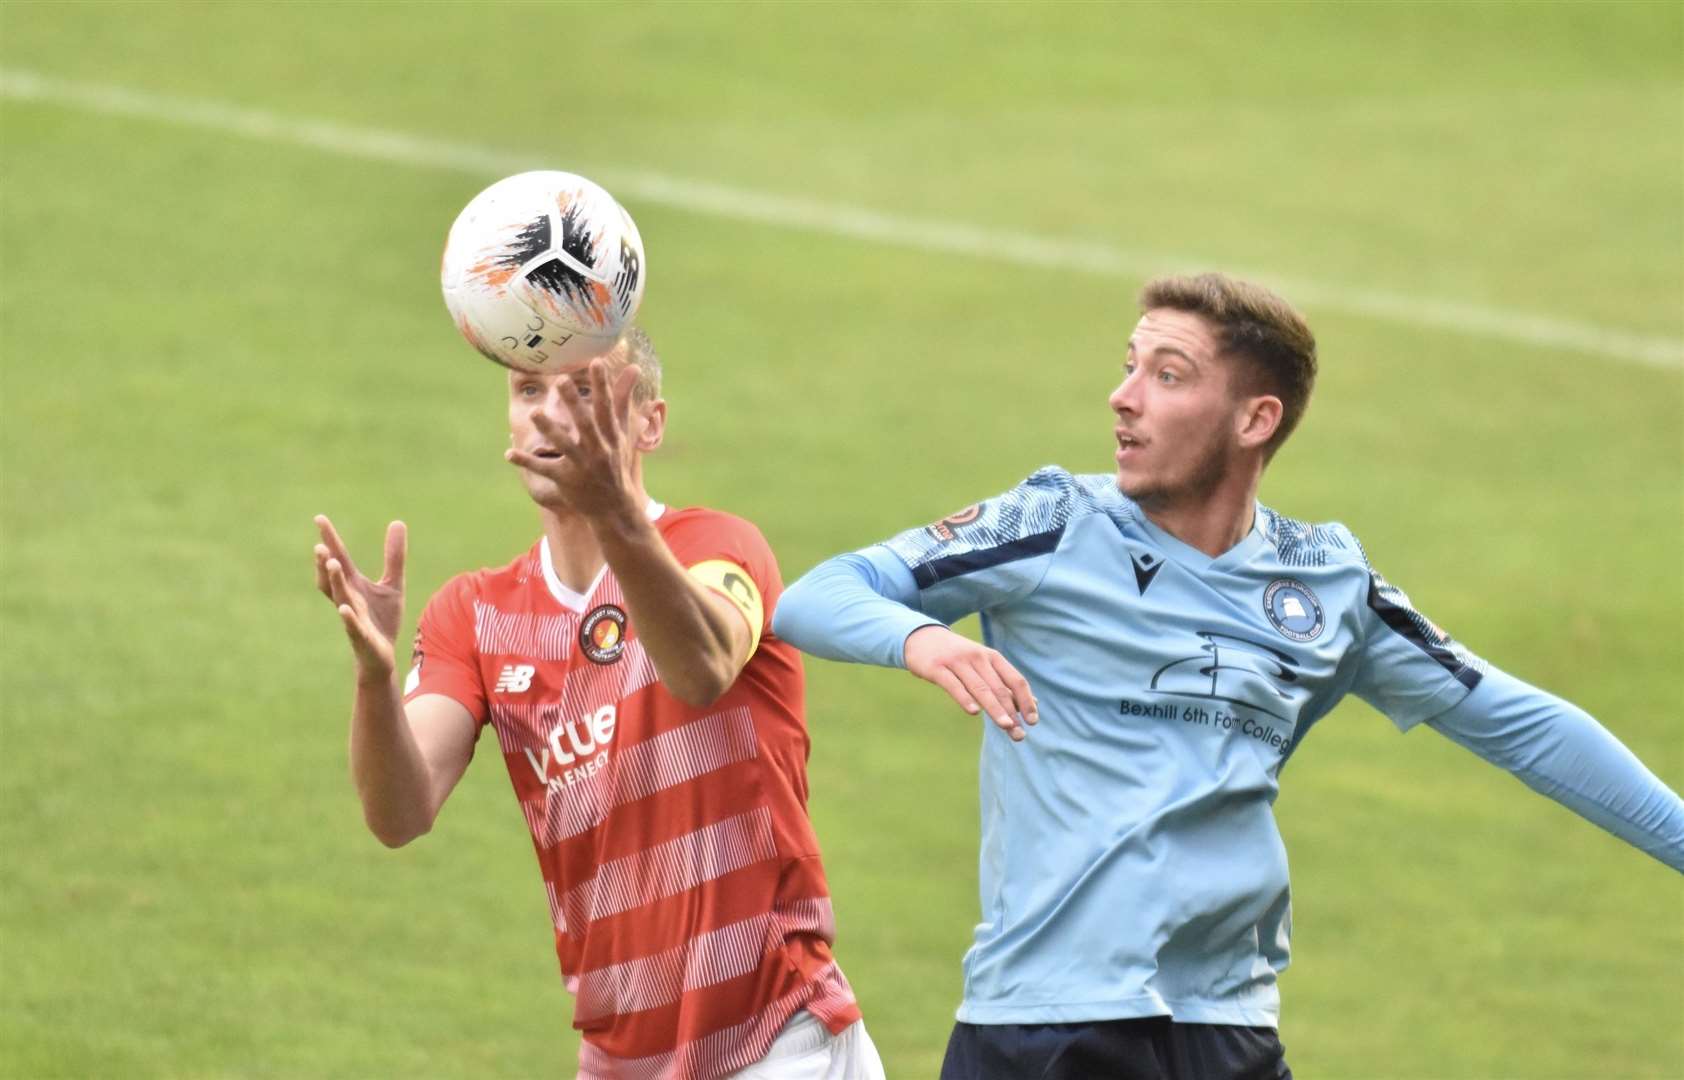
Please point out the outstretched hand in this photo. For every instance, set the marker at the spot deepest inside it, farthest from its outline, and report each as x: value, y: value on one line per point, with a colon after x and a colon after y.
x: 371, y: 611
x: 975, y: 676
x: 595, y: 472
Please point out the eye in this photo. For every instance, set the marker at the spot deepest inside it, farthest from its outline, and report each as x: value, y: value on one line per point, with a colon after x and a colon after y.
x: 527, y: 390
x: 1128, y: 367
x: 1168, y: 377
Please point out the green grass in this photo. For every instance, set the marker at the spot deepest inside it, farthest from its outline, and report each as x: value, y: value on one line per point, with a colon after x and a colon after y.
x: 207, y: 339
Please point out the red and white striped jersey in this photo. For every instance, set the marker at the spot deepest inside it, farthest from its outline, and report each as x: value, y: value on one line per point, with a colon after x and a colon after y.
x: 691, y: 913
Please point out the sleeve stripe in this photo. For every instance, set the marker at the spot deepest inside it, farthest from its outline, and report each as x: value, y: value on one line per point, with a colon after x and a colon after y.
x: 1398, y: 619
x: 969, y: 562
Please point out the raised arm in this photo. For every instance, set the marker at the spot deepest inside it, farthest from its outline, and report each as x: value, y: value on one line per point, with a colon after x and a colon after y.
x: 404, y: 761
x: 698, y: 639
x: 1558, y: 750
x: 1415, y: 673
x: 858, y: 607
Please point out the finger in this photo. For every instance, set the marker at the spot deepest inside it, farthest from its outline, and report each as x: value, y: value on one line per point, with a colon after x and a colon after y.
x: 621, y: 397
x: 550, y: 467
x: 335, y: 546
x: 321, y: 570
x: 584, y: 418
x: 992, y: 696
x: 1023, y: 699
x: 554, y: 432
x: 397, y: 545
x: 949, y: 682
x: 339, y: 589
x: 604, y: 407
x: 364, y: 641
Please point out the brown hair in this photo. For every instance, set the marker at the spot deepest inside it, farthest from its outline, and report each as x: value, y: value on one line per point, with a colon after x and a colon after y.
x: 1272, y: 341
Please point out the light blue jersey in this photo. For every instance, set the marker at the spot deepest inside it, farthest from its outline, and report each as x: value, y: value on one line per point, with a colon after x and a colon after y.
x: 1130, y: 861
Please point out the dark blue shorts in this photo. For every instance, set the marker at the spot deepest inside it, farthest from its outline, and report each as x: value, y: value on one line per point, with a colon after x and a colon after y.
x: 1152, y: 1048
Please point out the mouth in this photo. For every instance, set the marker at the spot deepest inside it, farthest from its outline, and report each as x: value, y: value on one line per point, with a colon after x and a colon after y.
x: 1127, y: 443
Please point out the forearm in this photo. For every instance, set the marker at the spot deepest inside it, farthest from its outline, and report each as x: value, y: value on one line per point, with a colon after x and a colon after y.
x: 392, y: 777
x: 853, y: 608
x: 691, y: 639
x: 1559, y: 751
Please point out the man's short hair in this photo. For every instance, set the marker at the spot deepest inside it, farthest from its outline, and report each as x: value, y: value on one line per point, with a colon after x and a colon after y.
x: 1267, y: 335
x: 641, y: 351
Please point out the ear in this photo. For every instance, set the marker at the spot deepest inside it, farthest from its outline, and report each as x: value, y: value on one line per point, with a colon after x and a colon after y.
x: 650, y: 425
x: 1257, y: 420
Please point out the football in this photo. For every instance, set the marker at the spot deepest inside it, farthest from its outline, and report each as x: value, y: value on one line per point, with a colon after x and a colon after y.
x: 542, y: 270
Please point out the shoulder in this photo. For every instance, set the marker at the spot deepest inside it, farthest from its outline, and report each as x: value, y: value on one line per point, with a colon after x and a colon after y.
x: 702, y: 519
x: 459, y: 594
x: 1302, y: 543
x: 1032, y: 515
x: 702, y: 525
x: 1044, y: 502
x: 697, y: 534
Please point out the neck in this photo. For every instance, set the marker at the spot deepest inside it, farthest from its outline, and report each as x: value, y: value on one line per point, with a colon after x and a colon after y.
x: 575, y: 552
x: 1212, y: 522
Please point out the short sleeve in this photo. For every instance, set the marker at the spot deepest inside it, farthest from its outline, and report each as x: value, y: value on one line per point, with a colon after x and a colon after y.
x: 444, y: 659
x: 1410, y: 669
x: 713, y: 547
x: 992, y: 552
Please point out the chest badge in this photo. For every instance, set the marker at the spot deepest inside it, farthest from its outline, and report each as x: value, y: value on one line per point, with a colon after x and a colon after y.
x: 1293, y: 609
x: 602, y: 634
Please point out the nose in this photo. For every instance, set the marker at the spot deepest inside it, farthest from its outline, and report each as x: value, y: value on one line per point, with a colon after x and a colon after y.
x: 553, y: 410
x: 1126, y: 397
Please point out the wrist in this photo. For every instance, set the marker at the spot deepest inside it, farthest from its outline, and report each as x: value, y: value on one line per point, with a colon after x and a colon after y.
x: 906, y: 644
x: 374, y: 676
x: 624, y: 521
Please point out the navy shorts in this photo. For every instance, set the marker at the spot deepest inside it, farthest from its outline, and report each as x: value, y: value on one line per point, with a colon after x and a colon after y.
x: 1151, y: 1048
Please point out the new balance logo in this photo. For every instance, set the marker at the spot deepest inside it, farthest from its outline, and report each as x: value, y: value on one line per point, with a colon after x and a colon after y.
x: 514, y: 679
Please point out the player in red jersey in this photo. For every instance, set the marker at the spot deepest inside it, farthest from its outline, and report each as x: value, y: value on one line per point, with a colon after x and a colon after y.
x: 653, y: 728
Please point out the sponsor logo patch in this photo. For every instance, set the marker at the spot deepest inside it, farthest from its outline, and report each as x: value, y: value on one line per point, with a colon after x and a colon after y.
x: 948, y: 527
x: 1293, y: 609
x: 514, y: 679
x: 602, y: 636
x: 1146, y: 568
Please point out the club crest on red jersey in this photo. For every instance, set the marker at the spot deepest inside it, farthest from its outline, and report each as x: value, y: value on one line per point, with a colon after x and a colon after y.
x: 602, y: 634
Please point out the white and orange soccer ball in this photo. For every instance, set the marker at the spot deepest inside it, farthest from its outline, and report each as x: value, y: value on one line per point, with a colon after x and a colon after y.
x: 542, y: 270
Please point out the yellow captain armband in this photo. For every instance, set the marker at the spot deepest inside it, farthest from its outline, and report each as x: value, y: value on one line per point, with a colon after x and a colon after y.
x: 733, y: 582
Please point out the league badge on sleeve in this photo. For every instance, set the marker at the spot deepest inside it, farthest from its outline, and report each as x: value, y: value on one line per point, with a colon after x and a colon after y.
x: 1293, y: 609
x: 945, y: 529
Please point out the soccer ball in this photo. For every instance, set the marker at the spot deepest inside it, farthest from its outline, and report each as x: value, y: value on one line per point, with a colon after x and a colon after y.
x: 542, y: 270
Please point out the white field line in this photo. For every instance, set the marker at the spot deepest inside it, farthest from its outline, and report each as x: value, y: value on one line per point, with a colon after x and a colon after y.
x: 836, y: 219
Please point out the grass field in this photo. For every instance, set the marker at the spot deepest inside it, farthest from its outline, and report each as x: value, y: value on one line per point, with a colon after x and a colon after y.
x: 215, y: 324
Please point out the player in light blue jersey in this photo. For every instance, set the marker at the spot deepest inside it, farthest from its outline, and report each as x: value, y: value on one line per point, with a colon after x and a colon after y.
x: 1181, y: 640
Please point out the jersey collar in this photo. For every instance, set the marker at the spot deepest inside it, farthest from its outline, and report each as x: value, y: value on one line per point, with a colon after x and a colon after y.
x: 567, y: 598
x: 1194, y: 559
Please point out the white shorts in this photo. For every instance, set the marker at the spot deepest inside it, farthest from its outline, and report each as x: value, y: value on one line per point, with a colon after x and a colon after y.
x: 806, y: 1050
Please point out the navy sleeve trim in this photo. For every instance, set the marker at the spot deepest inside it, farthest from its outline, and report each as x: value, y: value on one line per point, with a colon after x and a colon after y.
x: 969, y: 562
x: 1402, y: 620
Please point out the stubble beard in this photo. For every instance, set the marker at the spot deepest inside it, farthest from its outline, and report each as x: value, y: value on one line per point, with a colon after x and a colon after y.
x: 1202, y: 479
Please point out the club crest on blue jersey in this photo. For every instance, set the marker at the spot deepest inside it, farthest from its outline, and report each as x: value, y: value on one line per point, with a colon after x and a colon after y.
x: 1293, y: 609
